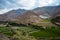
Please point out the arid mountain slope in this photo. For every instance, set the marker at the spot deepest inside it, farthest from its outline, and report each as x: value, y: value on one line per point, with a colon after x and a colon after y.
x: 28, y: 18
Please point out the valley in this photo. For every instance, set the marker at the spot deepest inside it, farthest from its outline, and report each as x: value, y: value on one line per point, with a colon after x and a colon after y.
x: 43, y: 31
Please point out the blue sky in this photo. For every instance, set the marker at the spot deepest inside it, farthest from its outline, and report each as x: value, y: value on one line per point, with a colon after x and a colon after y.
x: 7, y: 5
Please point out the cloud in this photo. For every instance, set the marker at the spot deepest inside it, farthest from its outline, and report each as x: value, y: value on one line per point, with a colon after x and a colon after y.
x: 27, y: 4
x: 6, y: 5
x: 42, y: 3
x: 4, y: 10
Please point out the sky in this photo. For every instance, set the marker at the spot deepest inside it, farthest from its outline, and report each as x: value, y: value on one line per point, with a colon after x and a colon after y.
x: 7, y: 5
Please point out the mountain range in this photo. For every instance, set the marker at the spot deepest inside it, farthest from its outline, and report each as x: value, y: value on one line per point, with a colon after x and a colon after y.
x: 31, y: 16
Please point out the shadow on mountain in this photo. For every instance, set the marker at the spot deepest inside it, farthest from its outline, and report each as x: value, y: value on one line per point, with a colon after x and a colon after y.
x: 56, y: 21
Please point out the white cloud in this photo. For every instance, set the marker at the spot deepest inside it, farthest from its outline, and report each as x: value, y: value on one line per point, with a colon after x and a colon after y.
x: 4, y: 11
x: 27, y: 4
x: 46, y: 2
x: 30, y: 4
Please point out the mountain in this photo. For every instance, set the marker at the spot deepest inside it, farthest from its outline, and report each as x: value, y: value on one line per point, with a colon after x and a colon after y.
x: 12, y: 14
x: 43, y: 14
x: 29, y: 17
x: 35, y: 15
x: 48, y: 9
x: 56, y: 13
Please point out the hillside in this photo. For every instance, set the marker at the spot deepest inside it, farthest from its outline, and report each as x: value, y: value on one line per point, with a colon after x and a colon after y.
x: 11, y: 15
x: 29, y: 17
x: 49, y: 9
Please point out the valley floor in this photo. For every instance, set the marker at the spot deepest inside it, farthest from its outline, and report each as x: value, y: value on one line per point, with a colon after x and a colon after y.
x: 30, y: 33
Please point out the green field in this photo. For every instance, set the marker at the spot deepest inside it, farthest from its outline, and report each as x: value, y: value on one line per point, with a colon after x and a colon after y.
x: 50, y: 32
x: 30, y: 32
x: 7, y: 31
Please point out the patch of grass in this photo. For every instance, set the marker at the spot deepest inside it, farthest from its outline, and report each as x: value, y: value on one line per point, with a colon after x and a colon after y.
x: 55, y: 31
x: 24, y: 29
x: 7, y: 31
x: 46, y: 20
x: 41, y: 34
x: 50, y: 32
